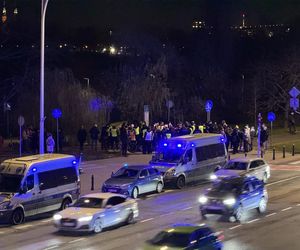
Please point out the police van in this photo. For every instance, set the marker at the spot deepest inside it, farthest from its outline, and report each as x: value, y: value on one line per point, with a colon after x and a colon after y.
x: 189, y: 158
x: 37, y: 184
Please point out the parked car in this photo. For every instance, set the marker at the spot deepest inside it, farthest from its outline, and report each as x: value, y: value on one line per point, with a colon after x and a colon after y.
x: 186, y: 237
x: 244, y: 167
x: 134, y: 180
x: 233, y: 196
x: 94, y: 212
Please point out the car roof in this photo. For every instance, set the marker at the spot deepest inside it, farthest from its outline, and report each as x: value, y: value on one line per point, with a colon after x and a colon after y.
x: 101, y: 195
x: 137, y: 167
x: 244, y: 159
x: 184, y: 229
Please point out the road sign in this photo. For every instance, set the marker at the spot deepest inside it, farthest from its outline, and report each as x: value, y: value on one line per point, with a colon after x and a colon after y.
x: 271, y: 117
x: 294, y: 103
x: 21, y: 120
x: 56, y: 113
x: 169, y: 104
x: 208, y: 105
x: 294, y: 92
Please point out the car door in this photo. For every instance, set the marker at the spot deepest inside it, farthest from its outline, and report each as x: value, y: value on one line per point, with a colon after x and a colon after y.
x: 255, y: 170
x: 245, y: 197
x: 153, y: 178
x: 143, y: 182
x: 112, y: 212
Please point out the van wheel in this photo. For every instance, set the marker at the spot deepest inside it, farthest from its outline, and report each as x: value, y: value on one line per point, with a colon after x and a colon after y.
x: 66, y: 202
x: 17, y: 217
x: 180, y: 182
x: 159, y: 187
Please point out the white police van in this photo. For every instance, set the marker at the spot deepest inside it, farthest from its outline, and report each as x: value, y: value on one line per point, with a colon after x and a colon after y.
x: 37, y: 184
x: 189, y: 158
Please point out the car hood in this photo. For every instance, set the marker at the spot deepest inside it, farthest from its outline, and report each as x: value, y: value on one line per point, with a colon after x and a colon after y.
x: 222, y: 173
x: 119, y: 181
x: 219, y: 195
x: 78, y: 212
x: 5, y: 197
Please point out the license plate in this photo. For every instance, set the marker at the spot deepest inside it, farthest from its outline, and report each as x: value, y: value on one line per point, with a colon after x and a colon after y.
x: 112, y: 190
x: 68, y: 224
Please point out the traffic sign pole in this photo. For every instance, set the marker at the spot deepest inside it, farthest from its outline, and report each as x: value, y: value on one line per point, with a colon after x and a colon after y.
x: 21, y: 122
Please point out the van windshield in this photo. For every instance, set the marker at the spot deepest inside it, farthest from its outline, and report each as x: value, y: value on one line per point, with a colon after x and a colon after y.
x: 10, y: 183
x: 170, y: 155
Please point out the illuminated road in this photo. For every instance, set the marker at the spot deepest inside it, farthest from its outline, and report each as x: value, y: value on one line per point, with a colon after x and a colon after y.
x: 277, y: 229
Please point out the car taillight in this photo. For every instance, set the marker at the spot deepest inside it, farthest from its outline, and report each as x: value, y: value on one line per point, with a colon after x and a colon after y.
x: 220, y: 236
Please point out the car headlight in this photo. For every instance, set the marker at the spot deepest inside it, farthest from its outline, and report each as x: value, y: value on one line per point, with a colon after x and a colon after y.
x: 229, y: 201
x: 85, y: 219
x: 57, y: 217
x: 171, y: 171
x: 203, y: 199
x: 213, y: 177
x: 4, y: 205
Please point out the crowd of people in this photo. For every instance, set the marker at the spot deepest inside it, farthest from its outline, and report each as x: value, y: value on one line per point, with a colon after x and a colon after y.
x: 138, y: 137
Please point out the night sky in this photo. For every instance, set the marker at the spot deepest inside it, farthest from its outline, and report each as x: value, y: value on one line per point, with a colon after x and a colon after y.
x: 102, y: 15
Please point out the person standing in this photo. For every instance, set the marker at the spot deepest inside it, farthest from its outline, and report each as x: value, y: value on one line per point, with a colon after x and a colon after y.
x: 50, y: 143
x: 148, y: 140
x: 81, y: 136
x: 94, y: 133
x: 124, y: 139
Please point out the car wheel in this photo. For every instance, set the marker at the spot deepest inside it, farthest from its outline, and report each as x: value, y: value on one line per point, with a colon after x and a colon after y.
x: 265, y: 178
x: 159, y: 187
x: 66, y: 202
x: 239, y: 214
x: 262, y: 207
x: 180, y: 182
x: 17, y: 217
x: 135, y: 193
x: 130, y: 218
x: 97, y: 226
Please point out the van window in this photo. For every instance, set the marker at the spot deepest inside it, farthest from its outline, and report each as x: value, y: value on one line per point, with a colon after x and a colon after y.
x: 57, y: 177
x: 210, y: 151
x: 30, y: 182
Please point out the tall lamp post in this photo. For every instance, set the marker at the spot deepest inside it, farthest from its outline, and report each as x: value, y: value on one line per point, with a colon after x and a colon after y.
x: 44, y: 4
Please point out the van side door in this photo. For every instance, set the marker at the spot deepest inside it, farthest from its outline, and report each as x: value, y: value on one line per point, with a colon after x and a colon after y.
x: 189, y: 166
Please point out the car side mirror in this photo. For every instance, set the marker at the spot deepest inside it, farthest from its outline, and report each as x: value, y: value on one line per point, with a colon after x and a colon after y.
x: 142, y: 177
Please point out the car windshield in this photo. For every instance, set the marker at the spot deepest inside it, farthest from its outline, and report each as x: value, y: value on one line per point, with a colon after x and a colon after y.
x: 171, y: 239
x: 170, y: 155
x: 227, y: 186
x: 236, y: 165
x: 126, y: 173
x: 10, y: 183
x: 89, y: 202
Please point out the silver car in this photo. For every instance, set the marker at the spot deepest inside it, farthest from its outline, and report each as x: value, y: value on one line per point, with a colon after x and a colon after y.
x: 244, y: 167
x: 134, y: 180
x: 94, y: 212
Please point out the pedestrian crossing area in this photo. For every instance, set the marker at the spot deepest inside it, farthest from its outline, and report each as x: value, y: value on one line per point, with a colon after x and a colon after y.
x: 291, y: 166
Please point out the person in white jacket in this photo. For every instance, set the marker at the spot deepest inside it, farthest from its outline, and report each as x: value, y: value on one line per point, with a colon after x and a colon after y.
x: 50, y: 143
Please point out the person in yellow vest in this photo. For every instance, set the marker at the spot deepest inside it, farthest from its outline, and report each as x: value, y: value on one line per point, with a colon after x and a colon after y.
x: 201, y: 128
x: 114, y: 134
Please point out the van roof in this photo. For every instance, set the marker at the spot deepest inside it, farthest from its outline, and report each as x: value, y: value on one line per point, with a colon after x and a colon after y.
x: 193, y: 137
x: 37, y: 158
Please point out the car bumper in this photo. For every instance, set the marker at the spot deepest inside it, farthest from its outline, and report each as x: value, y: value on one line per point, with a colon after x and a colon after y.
x: 77, y: 226
x: 217, y: 209
x: 5, y: 216
x: 116, y: 190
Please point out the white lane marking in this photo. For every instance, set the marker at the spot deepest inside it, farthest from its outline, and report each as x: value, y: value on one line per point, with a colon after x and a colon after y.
x: 187, y: 208
x: 52, y: 247
x: 298, y: 205
x: 76, y: 240
x: 294, y: 162
x: 45, y: 221
x: 283, y: 180
x: 22, y: 227
x: 268, y: 215
x: 285, y: 209
x: 248, y: 222
x: 147, y: 220
x: 237, y: 226
x: 1, y: 232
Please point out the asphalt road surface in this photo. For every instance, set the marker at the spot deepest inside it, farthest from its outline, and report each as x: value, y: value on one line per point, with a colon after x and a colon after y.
x: 278, y: 228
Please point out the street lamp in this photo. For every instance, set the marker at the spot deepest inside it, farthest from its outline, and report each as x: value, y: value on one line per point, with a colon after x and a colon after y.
x: 44, y: 4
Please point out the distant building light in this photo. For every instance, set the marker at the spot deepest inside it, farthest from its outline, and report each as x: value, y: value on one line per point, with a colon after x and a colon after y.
x: 60, y: 46
x: 112, y: 50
